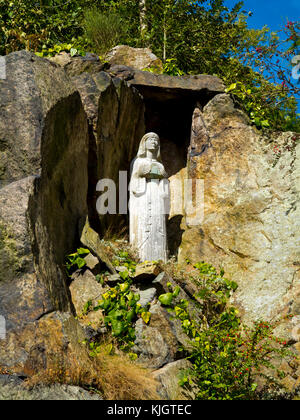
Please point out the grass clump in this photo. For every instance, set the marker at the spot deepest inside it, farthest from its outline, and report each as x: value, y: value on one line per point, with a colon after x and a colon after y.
x: 103, y: 30
x: 113, y: 376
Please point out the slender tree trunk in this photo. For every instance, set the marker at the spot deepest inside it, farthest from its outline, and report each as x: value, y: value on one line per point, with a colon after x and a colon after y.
x: 143, y: 17
x: 165, y: 40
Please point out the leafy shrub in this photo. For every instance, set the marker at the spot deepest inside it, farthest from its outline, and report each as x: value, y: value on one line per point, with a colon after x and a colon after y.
x: 227, y: 356
x: 103, y: 30
x: 58, y: 48
x: 121, y: 309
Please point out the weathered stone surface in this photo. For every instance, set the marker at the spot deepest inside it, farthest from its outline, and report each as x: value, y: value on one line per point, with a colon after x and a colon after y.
x: 168, y: 378
x: 44, y: 153
x: 40, y: 344
x: 114, y: 278
x: 154, y: 348
x: 251, y: 222
x: 146, y: 271
x: 121, y: 269
x: 74, y: 66
x: 92, y: 241
x: 91, y: 87
x: 84, y: 288
x: 62, y: 59
x: 116, y: 117
x: 157, y: 343
x: 192, y: 83
x: 164, y: 84
x: 137, y: 58
x: 146, y: 296
x: 44, y: 134
x: 23, y: 297
x: 32, y: 87
x: 57, y: 392
x: 91, y: 261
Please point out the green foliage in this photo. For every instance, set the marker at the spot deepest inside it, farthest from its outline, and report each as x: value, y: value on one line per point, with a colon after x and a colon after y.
x: 191, y: 37
x: 227, y: 356
x: 121, y: 309
x: 32, y: 25
x: 76, y: 260
x: 171, y: 68
x: 255, y: 111
x: 103, y: 30
x: 87, y: 307
x: 56, y: 49
x: 257, y: 96
x: 167, y: 298
x: 209, y: 38
x: 123, y: 259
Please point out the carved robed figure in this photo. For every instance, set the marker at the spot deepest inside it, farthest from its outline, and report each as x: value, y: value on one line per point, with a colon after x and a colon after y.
x: 149, y: 201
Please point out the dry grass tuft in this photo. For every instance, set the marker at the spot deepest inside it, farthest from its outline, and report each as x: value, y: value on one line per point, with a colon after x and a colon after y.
x: 115, y: 377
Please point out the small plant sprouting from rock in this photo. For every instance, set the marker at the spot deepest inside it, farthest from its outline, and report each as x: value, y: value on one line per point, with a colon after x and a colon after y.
x: 227, y: 357
x: 123, y: 259
x: 76, y: 260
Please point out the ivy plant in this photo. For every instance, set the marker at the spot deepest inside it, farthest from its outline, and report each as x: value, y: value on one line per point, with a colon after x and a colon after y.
x: 121, y: 309
x: 76, y: 260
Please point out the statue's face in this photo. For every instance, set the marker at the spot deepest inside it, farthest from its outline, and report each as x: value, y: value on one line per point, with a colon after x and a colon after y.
x: 152, y: 143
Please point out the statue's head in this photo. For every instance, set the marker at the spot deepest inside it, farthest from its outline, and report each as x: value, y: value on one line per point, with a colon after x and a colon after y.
x: 150, y: 142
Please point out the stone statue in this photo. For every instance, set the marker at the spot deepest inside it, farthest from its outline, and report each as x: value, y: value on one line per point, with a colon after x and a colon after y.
x: 149, y: 201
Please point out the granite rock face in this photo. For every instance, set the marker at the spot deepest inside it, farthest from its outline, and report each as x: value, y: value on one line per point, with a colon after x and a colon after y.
x: 251, y: 221
x: 37, y: 346
x: 65, y: 126
x: 168, y: 378
x: 162, y: 85
x: 74, y: 66
x: 115, y: 113
x: 60, y: 128
x: 42, y: 393
x: 43, y: 131
x: 137, y: 58
x: 23, y: 297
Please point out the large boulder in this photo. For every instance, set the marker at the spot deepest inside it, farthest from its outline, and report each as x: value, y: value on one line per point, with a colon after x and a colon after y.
x: 44, y: 149
x: 58, y: 137
x: 74, y: 66
x: 251, y: 216
x: 137, y: 58
x: 163, y: 87
x: 44, y: 344
x: 44, y: 180
x: 169, y: 377
x: 23, y: 296
x: 115, y: 113
x: 158, y: 343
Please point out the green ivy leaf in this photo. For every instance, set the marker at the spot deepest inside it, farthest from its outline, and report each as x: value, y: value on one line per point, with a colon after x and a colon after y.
x: 166, y: 299
x: 146, y: 316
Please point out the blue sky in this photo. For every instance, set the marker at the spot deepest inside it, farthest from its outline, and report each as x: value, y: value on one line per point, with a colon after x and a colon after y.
x: 273, y: 13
